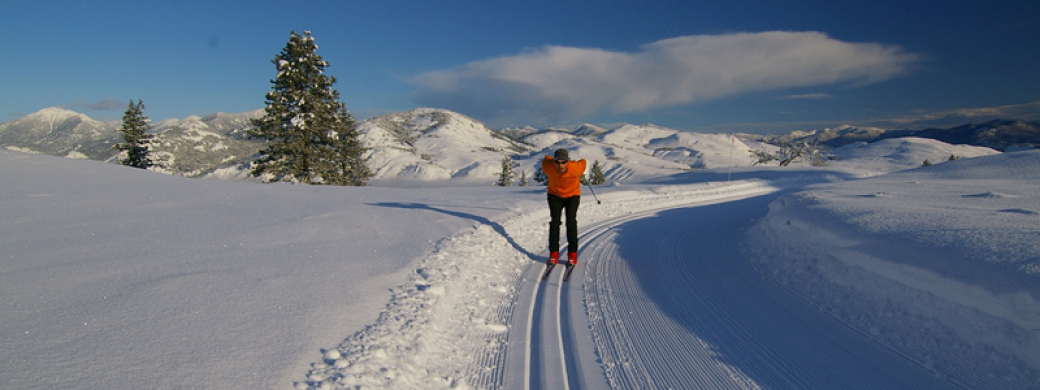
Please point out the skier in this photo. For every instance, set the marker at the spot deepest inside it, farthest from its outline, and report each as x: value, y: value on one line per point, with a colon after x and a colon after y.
x: 564, y: 190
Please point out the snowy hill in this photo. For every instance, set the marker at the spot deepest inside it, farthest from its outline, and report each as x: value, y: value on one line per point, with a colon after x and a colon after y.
x: 434, y: 145
x: 422, y: 146
x: 196, y: 147
x: 1002, y: 135
x: 632, y: 153
x: 941, y: 263
x: 897, y: 154
x: 922, y: 279
x: 191, y: 147
x: 427, y: 146
x: 61, y: 132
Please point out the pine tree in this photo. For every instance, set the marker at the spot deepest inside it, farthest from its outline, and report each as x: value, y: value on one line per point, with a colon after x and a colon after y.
x: 506, y: 177
x: 597, y: 174
x: 135, y: 133
x: 523, y: 181
x: 539, y: 175
x: 311, y: 137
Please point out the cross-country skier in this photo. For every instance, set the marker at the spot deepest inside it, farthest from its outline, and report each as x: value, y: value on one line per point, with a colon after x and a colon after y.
x: 564, y: 194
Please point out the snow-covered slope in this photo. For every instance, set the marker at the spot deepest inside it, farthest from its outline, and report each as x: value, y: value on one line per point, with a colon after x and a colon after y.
x: 419, y: 147
x: 190, y: 147
x: 195, y: 146
x: 897, y: 154
x: 61, y: 132
x: 425, y: 146
x: 433, y: 145
x: 113, y: 277
x: 940, y: 263
x: 436, y: 145
x: 633, y: 153
x: 119, y: 278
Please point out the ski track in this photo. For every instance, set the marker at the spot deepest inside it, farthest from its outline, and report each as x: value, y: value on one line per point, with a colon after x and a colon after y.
x: 475, y: 315
x: 731, y: 329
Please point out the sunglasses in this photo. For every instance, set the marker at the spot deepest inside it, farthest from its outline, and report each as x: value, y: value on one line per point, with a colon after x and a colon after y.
x: 561, y: 162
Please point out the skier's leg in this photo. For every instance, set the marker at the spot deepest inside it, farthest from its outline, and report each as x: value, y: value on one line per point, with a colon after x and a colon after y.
x: 572, y: 226
x: 555, y: 209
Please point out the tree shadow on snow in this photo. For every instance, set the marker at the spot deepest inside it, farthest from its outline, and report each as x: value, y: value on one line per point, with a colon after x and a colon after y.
x: 494, y: 225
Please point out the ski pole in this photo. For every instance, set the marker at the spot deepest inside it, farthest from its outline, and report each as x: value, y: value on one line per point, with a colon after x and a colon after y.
x: 593, y: 193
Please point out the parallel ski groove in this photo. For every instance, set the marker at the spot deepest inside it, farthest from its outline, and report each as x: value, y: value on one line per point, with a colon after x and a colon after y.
x: 731, y: 329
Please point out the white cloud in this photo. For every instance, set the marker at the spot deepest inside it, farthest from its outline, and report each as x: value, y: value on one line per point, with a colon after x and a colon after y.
x: 563, y: 83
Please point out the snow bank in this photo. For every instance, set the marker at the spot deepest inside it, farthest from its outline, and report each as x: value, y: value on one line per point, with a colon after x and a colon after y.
x: 942, y: 263
x: 114, y: 277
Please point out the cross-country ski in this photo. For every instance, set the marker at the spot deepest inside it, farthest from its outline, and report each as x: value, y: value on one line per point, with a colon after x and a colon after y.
x: 548, y: 270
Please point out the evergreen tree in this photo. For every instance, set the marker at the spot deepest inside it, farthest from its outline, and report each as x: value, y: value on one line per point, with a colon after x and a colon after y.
x: 135, y: 133
x: 539, y: 175
x: 523, y: 182
x: 506, y: 177
x: 597, y: 174
x: 311, y: 137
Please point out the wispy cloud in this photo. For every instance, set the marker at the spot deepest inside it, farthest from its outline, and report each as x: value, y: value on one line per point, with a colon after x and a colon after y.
x: 919, y: 119
x: 101, y: 105
x: 557, y: 83
x: 1027, y: 111
x: 808, y: 96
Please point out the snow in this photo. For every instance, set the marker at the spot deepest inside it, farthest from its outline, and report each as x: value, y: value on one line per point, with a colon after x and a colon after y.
x: 872, y: 272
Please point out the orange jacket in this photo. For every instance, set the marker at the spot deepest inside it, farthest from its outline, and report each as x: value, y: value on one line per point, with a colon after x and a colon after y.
x: 567, y: 184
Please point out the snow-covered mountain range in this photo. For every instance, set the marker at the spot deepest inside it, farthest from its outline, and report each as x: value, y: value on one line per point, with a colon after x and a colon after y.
x: 422, y: 145
x: 999, y: 134
x: 428, y: 145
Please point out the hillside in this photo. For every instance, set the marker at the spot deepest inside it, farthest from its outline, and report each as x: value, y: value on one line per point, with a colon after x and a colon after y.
x: 923, y: 279
x: 419, y: 146
x: 427, y: 146
x: 1000, y: 134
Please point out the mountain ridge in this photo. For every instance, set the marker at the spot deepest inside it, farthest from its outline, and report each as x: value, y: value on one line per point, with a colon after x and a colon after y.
x: 433, y: 145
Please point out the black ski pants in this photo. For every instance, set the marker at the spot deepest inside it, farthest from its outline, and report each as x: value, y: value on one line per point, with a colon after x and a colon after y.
x: 556, y: 207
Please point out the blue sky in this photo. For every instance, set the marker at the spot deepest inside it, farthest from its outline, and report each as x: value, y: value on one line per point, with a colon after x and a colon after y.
x: 710, y: 66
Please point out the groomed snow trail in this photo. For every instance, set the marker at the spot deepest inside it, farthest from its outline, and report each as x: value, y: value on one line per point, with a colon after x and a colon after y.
x: 663, y: 297
x: 681, y: 307
x: 560, y: 351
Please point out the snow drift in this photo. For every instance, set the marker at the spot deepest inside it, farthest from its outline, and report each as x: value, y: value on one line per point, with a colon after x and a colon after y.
x: 940, y: 263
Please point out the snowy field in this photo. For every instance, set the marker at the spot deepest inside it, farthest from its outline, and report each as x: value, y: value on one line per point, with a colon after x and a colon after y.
x: 869, y: 273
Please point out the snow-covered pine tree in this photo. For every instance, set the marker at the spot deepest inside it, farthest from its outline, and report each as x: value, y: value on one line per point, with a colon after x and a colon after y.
x: 311, y: 137
x: 523, y: 181
x: 539, y: 175
x: 506, y: 177
x: 597, y: 174
x: 135, y: 133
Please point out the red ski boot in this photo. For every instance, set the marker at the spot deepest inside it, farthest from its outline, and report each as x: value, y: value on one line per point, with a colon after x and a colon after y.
x: 554, y: 257
x: 572, y: 258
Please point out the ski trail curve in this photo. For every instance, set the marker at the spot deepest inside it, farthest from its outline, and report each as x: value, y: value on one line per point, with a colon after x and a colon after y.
x: 559, y: 351
x: 681, y: 307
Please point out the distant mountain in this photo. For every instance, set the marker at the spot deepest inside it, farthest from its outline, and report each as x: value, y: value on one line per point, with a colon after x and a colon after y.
x: 435, y: 145
x: 1002, y: 135
x: 197, y: 146
x: 191, y: 147
x: 61, y: 132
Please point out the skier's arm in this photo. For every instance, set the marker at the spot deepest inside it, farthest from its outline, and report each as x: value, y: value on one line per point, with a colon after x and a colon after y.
x: 547, y: 163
